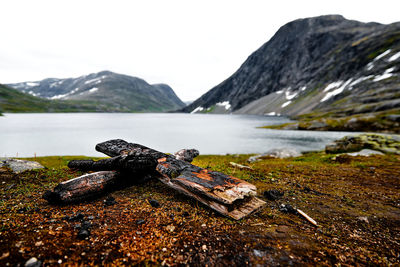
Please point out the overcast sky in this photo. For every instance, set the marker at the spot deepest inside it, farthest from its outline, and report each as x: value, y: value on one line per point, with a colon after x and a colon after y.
x: 190, y: 45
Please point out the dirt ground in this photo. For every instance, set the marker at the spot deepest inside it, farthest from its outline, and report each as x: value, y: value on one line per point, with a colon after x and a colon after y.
x: 355, y: 200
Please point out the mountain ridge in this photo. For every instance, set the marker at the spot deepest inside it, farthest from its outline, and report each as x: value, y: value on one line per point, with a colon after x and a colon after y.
x: 122, y: 93
x: 322, y: 64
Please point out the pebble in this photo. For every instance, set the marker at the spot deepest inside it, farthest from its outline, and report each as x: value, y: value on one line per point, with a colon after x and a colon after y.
x: 273, y: 194
x: 140, y: 222
x: 154, y: 203
x: 170, y: 228
x: 33, y: 262
x: 204, y: 247
x: 258, y: 253
x: 76, y: 217
x: 363, y: 219
x: 109, y: 201
x: 287, y: 208
x: 83, y: 233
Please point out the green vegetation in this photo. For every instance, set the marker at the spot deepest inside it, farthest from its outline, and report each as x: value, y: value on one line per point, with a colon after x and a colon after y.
x: 327, y: 121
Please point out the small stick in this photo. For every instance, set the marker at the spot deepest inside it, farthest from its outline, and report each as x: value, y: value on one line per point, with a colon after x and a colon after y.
x: 240, y: 166
x: 308, y: 218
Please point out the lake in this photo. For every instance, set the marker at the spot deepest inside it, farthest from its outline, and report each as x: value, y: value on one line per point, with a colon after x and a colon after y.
x: 27, y: 135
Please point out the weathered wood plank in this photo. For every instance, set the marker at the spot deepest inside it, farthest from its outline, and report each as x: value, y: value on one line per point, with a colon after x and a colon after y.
x: 226, y: 194
x: 83, y: 187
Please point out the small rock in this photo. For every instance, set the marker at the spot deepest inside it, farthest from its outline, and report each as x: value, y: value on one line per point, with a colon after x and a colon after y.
x: 365, y: 152
x: 18, y: 166
x: 91, y: 218
x: 287, y: 208
x: 273, y: 194
x: 204, y: 247
x: 39, y: 243
x: 258, y: 253
x: 109, y: 201
x: 170, y: 228
x: 140, y: 222
x: 33, y: 262
x: 154, y: 203
x: 276, y: 153
x: 79, y: 216
x: 83, y: 233
x: 164, y: 249
x: 363, y: 219
x: 186, y: 154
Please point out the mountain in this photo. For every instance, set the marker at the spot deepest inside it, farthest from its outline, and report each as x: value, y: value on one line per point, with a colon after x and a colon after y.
x: 117, y: 92
x: 320, y: 66
x: 12, y: 100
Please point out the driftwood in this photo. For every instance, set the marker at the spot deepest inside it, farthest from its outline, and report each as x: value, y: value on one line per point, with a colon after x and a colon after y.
x: 83, y: 187
x: 228, y: 195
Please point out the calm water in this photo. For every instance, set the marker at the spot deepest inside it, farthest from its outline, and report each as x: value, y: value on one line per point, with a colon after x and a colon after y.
x: 25, y: 135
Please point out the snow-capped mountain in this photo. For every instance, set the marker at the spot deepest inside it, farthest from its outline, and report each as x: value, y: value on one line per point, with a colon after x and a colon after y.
x: 124, y: 93
x: 322, y: 64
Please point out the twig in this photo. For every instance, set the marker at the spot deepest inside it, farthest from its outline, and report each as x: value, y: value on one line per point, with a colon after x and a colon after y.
x: 240, y: 166
x: 308, y: 218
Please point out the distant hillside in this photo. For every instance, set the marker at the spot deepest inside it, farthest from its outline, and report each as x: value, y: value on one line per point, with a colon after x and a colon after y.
x: 322, y: 65
x: 113, y: 91
x: 12, y: 100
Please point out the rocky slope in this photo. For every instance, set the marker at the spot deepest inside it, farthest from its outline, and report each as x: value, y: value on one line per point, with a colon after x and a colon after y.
x: 321, y: 66
x: 119, y: 92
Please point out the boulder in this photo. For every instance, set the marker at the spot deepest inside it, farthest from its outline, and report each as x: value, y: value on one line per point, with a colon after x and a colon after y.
x: 365, y: 152
x: 276, y: 153
x: 18, y: 166
x: 388, y: 144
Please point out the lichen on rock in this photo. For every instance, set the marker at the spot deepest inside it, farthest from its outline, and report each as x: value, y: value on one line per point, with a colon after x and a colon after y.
x: 388, y: 144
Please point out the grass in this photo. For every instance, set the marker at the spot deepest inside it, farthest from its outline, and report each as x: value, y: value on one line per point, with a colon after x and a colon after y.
x: 354, y: 200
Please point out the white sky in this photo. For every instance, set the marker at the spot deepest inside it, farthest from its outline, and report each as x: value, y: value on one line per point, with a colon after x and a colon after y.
x: 190, y: 45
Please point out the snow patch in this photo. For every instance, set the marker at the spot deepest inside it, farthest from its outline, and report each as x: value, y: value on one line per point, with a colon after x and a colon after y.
x: 32, y: 93
x: 94, y: 89
x: 32, y: 84
x: 97, y: 80
x: 333, y: 85
x: 279, y: 92
x: 361, y: 79
x: 224, y: 104
x: 383, y: 54
x: 385, y: 75
x: 290, y: 96
x: 370, y: 66
x: 53, y: 84
x: 286, y: 103
x: 394, y: 57
x: 198, y: 109
x: 59, y: 96
x: 303, y: 88
x: 273, y: 113
x: 336, y: 91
